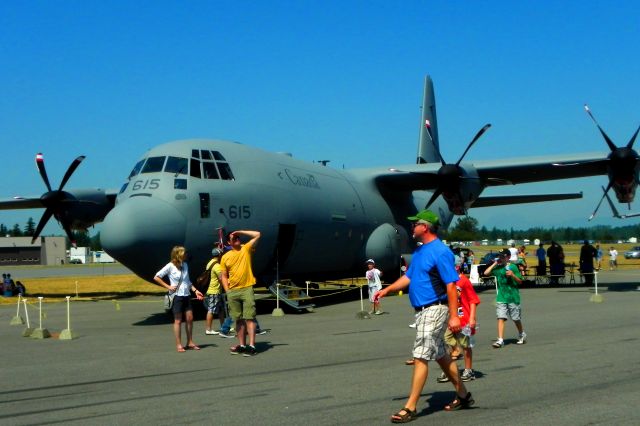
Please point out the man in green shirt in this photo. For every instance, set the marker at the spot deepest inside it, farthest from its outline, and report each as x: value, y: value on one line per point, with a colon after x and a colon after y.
x: 507, y: 278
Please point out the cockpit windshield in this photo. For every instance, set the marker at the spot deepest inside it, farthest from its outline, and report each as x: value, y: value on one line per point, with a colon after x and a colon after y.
x: 136, y: 168
x: 153, y: 164
x: 176, y: 165
x: 210, y: 165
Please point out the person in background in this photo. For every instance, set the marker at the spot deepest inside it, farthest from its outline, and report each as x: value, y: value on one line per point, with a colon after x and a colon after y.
x: 598, y: 257
x: 541, y: 254
x: 214, y: 299
x: 587, y: 254
x: 373, y: 280
x: 613, y: 258
x: 507, y: 296
x: 177, y: 271
x: 468, y: 301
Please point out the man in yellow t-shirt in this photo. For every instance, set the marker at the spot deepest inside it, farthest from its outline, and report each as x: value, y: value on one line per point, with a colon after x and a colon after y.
x: 214, y: 299
x: 238, y: 281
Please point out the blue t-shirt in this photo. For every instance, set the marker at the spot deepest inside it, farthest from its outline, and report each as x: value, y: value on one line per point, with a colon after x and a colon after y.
x: 431, y: 269
x: 541, y: 254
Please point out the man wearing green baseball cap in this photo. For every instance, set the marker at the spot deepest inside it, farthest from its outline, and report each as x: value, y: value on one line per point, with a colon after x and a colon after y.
x: 433, y: 295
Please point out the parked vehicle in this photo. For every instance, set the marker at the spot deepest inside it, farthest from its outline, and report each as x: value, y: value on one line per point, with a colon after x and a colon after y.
x: 634, y: 253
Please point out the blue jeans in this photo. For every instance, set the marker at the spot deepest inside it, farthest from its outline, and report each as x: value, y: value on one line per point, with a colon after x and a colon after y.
x: 228, y: 323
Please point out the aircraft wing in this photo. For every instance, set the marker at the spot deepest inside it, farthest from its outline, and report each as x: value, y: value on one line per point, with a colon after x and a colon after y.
x: 500, y: 172
x: 502, y: 200
x: 17, y: 203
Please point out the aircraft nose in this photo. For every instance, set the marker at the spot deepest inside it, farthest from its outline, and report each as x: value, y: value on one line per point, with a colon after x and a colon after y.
x: 140, y: 232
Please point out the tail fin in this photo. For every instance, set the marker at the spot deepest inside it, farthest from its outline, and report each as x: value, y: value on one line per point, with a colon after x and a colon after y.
x: 428, y: 145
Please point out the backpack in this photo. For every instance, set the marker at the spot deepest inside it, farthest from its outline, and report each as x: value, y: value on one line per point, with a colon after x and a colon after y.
x: 203, y: 281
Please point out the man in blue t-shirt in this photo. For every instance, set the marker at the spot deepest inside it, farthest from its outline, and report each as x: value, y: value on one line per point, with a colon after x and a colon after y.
x: 433, y: 295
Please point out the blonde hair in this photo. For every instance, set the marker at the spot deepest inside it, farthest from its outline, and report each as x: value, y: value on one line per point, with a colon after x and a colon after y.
x: 177, y: 256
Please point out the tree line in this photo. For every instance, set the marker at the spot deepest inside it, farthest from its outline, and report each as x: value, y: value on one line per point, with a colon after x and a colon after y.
x: 467, y: 229
x: 83, y: 239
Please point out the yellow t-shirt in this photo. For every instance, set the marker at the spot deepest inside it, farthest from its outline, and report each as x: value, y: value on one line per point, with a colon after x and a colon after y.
x: 238, y: 265
x: 215, y: 285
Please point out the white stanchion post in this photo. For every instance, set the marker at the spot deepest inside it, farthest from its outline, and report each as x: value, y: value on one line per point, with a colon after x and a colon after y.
x: 17, y: 320
x: 67, y: 334
x: 308, y: 282
x: 40, y: 333
x: 277, y: 312
x: 596, y: 298
x: 27, y: 331
x: 362, y: 314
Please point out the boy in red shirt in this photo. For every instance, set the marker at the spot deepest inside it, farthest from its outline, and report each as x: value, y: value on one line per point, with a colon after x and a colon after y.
x: 467, y: 303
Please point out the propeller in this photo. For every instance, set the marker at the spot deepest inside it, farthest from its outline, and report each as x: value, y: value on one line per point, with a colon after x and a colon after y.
x: 622, y: 165
x: 450, y: 175
x: 54, y: 200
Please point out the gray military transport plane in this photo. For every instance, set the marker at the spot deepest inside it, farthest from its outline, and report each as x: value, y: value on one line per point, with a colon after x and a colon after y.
x: 316, y: 222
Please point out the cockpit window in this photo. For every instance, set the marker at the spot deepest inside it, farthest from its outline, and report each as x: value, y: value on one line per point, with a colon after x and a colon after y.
x: 209, y: 170
x: 176, y: 165
x: 195, y: 168
x: 225, y: 171
x: 136, y: 168
x: 218, y: 156
x: 214, y: 165
x: 153, y: 164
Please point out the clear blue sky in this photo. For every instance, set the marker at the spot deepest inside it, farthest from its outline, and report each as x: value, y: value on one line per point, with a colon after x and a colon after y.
x: 321, y: 79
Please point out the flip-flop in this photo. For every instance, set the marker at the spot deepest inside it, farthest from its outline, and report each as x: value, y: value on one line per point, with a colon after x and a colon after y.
x: 181, y: 349
x: 194, y: 347
x: 410, y: 362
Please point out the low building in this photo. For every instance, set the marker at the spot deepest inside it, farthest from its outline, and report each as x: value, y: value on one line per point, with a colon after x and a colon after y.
x: 43, y: 251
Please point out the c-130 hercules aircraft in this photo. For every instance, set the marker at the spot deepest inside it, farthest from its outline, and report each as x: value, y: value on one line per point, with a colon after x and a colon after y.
x: 317, y: 222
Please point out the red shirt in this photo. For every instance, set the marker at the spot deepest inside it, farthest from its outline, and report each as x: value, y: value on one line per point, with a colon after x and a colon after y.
x: 466, y: 296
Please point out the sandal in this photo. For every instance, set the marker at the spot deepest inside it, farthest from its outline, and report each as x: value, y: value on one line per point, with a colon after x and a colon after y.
x: 194, y: 347
x: 410, y: 361
x: 404, y: 418
x: 460, y: 403
x: 181, y: 349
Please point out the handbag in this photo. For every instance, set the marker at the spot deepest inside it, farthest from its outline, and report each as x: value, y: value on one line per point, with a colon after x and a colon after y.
x: 168, y: 298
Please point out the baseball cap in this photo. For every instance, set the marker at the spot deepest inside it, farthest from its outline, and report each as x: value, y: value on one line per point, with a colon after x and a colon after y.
x: 216, y: 252
x: 505, y: 252
x: 425, y: 216
x: 371, y: 261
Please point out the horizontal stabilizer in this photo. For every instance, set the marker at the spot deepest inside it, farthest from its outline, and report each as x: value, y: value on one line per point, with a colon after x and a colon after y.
x: 502, y: 200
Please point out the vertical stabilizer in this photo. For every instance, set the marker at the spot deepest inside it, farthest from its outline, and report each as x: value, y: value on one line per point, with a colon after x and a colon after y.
x: 428, y: 145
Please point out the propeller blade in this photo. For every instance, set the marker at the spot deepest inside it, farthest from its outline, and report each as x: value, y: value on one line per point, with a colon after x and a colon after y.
x: 72, y: 168
x: 476, y: 137
x: 42, y: 170
x: 611, y: 145
x: 435, y: 195
x: 600, y: 202
x: 633, y: 138
x: 67, y: 230
x: 43, y: 221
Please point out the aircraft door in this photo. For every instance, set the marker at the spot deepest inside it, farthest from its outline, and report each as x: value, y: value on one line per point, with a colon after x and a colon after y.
x: 285, y: 243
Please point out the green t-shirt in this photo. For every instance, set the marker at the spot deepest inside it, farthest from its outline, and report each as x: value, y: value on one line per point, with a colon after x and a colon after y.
x: 507, y: 287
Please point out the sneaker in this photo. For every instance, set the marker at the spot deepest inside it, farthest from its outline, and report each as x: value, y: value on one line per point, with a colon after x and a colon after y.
x: 249, y: 351
x: 211, y: 332
x: 467, y: 375
x: 522, y: 338
x: 228, y: 335
x: 498, y: 343
x: 378, y: 313
x: 412, y: 325
x: 237, y: 349
x: 442, y: 378
x: 261, y: 332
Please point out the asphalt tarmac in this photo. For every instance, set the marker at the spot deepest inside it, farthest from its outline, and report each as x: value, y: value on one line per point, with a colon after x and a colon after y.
x: 580, y: 366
